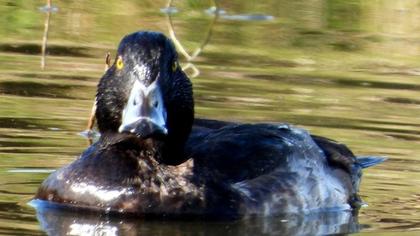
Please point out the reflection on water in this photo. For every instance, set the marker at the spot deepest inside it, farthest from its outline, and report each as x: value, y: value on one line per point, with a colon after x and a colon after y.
x: 56, y: 221
x: 348, y: 70
x: 169, y: 10
x: 241, y: 17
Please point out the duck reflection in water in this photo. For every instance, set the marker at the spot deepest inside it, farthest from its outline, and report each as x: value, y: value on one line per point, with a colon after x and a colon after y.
x: 55, y: 220
x: 154, y: 159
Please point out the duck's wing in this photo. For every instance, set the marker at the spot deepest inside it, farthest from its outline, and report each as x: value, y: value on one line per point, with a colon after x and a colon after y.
x: 206, y: 133
x: 211, y: 124
x: 270, y: 168
x: 246, y: 151
x: 337, y: 153
x: 340, y: 155
x: 201, y: 128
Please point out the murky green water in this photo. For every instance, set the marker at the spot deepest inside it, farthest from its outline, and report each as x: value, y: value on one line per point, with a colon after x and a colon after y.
x: 349, y: 70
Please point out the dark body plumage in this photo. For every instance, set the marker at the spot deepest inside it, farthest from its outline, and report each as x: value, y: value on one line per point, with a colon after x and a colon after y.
x: 214, y: 168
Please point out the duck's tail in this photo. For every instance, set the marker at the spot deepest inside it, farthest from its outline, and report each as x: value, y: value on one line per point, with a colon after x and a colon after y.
x: 368, y: 161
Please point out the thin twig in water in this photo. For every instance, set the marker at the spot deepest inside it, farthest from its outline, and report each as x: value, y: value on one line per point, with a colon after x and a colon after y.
x: 45, y: 36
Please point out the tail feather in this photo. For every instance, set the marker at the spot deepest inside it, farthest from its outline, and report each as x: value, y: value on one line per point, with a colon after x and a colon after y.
x: 368, y: 161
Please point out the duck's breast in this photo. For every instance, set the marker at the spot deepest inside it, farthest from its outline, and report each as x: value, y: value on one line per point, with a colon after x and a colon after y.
x: 113, y: 180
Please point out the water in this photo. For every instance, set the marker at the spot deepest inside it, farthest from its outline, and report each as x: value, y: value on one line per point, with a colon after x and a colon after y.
x: 348, y: 70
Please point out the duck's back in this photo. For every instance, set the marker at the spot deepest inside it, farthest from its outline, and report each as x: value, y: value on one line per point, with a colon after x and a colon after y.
x: 268, y: 168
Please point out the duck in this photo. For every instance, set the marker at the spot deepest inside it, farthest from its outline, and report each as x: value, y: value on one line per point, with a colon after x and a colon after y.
x: 155, y: 158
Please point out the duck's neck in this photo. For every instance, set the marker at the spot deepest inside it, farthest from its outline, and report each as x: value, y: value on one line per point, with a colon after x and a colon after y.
x: 173, y: 154
x: 131, y: 145
x: 179, y: 105
x: 168, y: 151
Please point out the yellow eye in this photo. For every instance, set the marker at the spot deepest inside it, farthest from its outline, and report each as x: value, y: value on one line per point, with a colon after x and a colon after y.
x: 120, y: 63
x: 174, y: 66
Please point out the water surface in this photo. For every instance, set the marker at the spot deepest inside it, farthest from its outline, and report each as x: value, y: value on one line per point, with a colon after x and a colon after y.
x: 348, y: 70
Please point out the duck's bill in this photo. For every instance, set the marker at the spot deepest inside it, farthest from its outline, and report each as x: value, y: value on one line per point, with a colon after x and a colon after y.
x: 144, y: 128
x: 144, y: 114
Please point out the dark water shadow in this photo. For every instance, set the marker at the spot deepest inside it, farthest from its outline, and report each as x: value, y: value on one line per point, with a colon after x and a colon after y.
x: 237, y: 59
x: 29, y: 123
x: 56, y: 76
x: 335, y: 82
x: 54, y: 50
x: 405, y: 137
x: 377, y: 84
x: 33, y: 89
x: 58, y: 221
x: 401, y: 100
